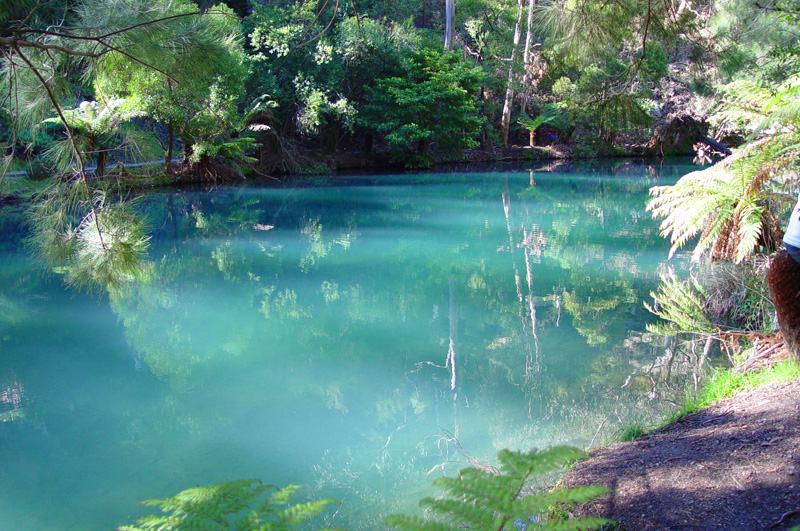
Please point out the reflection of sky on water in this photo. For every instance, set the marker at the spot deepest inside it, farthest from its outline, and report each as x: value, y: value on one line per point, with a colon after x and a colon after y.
x: 359, y: 339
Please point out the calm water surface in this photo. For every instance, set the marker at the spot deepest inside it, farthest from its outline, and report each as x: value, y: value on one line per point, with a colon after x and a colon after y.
x: 359, y: 337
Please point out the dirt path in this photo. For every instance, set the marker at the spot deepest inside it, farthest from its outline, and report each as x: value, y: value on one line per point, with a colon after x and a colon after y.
x: 732, y: 466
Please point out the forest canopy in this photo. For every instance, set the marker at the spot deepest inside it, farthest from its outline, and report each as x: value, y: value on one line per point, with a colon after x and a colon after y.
x: 282, y: 86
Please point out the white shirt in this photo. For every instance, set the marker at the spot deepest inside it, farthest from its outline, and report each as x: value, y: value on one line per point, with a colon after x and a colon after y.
x: 792, y: 235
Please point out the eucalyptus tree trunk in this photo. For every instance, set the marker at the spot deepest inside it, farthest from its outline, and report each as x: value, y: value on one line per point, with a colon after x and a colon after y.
x: 449, y: 12
x: 505, y: 122
x: 526, y: 61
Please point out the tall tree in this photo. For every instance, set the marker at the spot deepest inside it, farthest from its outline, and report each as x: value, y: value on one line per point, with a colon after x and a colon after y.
x: 527, y: 56
x: 505, y: 120
x: 449, y: 31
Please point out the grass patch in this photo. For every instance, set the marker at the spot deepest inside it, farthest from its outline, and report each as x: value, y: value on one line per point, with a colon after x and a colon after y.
x: 631, y: 431
x: 724, y: 383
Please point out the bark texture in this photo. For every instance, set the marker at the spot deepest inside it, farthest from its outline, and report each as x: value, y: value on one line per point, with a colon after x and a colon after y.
x: 784, y: 285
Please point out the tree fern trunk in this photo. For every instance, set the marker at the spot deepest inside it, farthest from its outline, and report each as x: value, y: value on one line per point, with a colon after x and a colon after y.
x: 102, y: 162
x: 168, y: 152
x: 784, y: 285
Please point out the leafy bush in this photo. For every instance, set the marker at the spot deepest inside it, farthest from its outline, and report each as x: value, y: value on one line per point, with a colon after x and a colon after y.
x: 481, y: 499
x: 433, y: 107
x: 727, y: 297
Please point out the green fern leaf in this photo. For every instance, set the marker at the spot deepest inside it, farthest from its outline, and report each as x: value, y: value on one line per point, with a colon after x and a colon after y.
x: 221, y: 507
x: 479, y: 500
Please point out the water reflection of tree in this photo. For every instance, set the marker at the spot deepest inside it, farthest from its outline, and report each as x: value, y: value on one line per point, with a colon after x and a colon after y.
x: 589, y: 236
x: 16, y: 285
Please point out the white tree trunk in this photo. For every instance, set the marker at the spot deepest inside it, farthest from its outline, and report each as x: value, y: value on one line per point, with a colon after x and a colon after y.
x: 505, y: 122
x: 449, y: 32
x: 526, y: 56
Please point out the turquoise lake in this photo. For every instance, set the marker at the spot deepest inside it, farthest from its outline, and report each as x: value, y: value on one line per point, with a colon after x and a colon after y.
x: 360, y: 336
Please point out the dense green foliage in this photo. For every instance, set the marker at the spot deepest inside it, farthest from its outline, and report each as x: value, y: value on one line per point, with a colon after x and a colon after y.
x: 345, y: 76
x: 364, y: 79
x: 485, y: 499
x: 431, y: 104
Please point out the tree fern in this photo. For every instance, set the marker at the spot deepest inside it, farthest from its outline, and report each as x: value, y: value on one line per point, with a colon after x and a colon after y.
x: 730, y: 205
x: 97, y: 129
x: 479, y: 499
x: 551, y: 115
x: 231, y: 506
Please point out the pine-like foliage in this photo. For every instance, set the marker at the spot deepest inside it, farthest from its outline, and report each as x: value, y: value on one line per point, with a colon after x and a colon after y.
x: 479, y: 499
x: 726, y: 298
x: 99, y: 249
x: 231, y: 506
x: 682, y: 305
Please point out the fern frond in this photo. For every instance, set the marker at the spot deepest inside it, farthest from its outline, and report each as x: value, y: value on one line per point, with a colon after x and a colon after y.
x: 748, y: 230
x: 301, y: 513
x: 221, y: 507
x: 521, y: 465
x: 573, y: 496
x: 476, y: 488
x: 712, y: 203
x: 461, y: 512
x: 482, y: 501
x: 586, y: 523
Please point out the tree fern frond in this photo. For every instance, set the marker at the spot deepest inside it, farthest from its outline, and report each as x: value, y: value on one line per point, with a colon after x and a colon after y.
x: 482, y: 501
x: 750, y: 222
x: 535, y: 462
x: 461, y: 512
x: 586, y: 523
x: 573, y: 496
x: 301, y: 513
x: 221, y: 507
x: 710, y: 202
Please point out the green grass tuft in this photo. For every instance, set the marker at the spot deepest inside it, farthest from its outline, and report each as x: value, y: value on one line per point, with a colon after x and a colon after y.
x: 632, y: 431
x: 725, y: 383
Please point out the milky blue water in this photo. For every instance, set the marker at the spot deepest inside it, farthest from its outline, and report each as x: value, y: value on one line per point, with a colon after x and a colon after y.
x: 361, y: 337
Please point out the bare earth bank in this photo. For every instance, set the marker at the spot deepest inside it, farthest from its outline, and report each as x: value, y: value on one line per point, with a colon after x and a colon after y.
x: 732, y: 466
